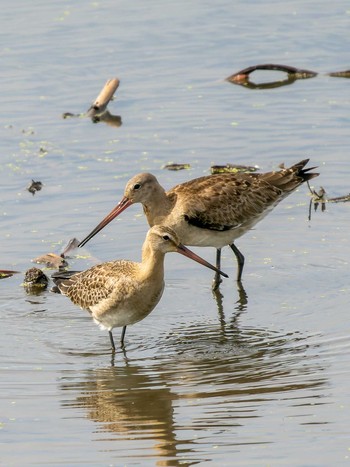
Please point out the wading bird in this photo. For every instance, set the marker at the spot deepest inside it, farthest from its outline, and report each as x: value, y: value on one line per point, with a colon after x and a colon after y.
x: 213, y: 210
x: 121, y: 293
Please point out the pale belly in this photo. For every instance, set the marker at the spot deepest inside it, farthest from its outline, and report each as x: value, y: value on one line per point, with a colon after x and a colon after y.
x: 109, y: 315
x: 194, y: 236
x: 201, y: 237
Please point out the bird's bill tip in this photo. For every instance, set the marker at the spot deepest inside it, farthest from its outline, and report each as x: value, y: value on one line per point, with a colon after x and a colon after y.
x: 120, y: 207
x: 190, y: 254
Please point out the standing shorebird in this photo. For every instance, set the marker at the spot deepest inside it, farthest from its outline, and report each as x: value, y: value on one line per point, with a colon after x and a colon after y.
x: 214, y: 210
x: 120, y: 293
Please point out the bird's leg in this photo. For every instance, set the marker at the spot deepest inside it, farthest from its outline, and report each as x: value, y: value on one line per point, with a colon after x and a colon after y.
x: 240, y: 261
x: 122, y: 337
x: 217, y: 279
x: 112, y: 340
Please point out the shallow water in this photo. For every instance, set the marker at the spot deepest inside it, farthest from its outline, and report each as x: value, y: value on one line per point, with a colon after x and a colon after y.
x: 258, y: 376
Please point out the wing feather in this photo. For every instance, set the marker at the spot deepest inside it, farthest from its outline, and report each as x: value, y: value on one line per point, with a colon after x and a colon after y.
x: 225, y: 201
x: 91, y: 287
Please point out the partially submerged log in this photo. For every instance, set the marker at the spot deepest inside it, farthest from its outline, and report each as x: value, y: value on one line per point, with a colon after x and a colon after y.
x: 7, y: 273
x: 98, y: 110
x: 242, y: 77
x: 339, y: 199
x: 297, y: 73
x: 99, y: 106
x: 340, y: 74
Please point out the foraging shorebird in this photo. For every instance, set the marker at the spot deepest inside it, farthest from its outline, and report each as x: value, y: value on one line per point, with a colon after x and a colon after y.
x: 120, y: 293
x: 213, y: 210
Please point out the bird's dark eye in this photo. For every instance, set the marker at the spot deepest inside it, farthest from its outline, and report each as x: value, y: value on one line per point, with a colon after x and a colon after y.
x: 137, y: 186
x: 166, y: 237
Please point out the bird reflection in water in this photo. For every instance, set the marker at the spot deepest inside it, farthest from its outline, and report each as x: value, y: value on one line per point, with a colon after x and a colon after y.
x: 129, y: 404
x: 200, y: 377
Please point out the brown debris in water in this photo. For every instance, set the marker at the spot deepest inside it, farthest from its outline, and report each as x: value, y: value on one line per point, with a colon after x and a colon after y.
x: 233, y: 168
x: 71, y: 115
x: 242, y: 77
x: 177, y: 166
x: 51, y: 260
x: 34, y: 187
x: 317, y: 198
x: 4, y: 273
x: 340, y: 74
x: 340, y: 199
x: 71, y: 245
x: 98, y: 112
x: 99, y: 106
x: 320, y: 198
x: 107, y: 117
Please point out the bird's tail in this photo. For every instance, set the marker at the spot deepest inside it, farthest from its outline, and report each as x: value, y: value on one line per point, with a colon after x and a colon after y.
x: 61, y: 280
x: 299, y: 170
x: 288, y: 179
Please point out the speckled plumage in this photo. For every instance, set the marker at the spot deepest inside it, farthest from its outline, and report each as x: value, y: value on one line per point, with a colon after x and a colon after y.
x: 213, y: 210
x: 120, y: 293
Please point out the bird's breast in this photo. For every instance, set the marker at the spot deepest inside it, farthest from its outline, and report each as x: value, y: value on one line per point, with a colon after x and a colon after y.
x: 128, y: 308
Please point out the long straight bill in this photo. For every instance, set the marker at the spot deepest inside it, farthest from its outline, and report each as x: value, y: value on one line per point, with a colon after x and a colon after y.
x: 190, y: 254
x: 120, y: 207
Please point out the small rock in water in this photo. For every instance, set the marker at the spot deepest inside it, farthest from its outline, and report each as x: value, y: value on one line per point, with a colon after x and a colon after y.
x: 35, y: 277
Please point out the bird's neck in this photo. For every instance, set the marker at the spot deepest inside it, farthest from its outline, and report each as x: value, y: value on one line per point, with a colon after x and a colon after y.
x: 158, y: 208
x: 152, y: 262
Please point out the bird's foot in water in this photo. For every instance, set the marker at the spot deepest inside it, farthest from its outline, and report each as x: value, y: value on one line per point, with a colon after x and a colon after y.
x: 216, y: 283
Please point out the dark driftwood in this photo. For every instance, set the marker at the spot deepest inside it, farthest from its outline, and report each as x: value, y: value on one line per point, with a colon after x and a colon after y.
x: 242, y: 77
x: 340, y: 74
x: 297, y: 73
x: 7, y: 273
x: 320, y: 198
x: 340, y: 199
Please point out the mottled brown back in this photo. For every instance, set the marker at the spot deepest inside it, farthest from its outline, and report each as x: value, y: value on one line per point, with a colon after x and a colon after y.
x: 225, y: 201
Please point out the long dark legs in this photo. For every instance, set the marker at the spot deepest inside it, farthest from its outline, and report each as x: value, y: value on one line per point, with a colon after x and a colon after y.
x: 121, y: 339
x: 112, y: 340
x: 240, y: 261
x: 217, y: 278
